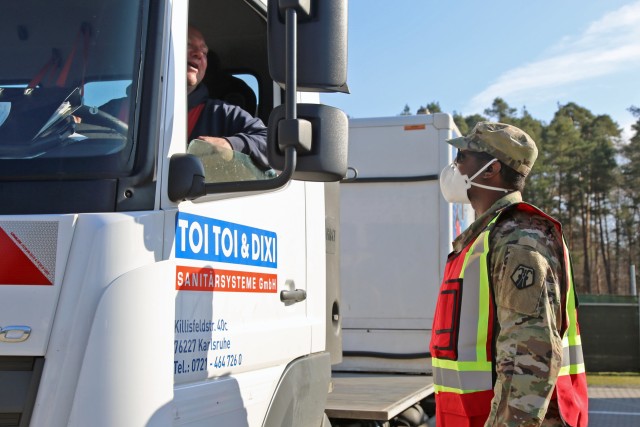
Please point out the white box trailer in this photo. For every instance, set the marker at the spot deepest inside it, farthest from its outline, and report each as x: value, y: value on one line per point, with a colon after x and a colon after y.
x: 397, y: 231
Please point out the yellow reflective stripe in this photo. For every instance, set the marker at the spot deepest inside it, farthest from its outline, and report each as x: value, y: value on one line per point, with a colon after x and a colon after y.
x: 461, y: 366
x: 572, y: 331
x: 483, y: 301
x: 567, y: 341
x: 572, y: 369
x: 441, y: 388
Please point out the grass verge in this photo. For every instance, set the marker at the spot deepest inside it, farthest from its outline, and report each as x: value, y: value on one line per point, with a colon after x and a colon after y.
x: 614, y: 379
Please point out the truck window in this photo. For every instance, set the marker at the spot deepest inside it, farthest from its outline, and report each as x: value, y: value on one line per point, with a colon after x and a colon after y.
x: 237, y: 73
x: 221, y: 165
x: 67, y: 96
x: 252, y: 82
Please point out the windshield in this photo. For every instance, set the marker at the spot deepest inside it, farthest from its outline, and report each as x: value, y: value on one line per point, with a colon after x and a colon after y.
x: 68, y: 87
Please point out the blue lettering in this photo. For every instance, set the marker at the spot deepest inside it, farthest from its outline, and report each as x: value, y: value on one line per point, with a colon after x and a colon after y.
x: 209, y: 239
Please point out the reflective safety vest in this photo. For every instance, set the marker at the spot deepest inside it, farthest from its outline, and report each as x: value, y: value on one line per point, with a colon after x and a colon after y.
x: 462, y: 338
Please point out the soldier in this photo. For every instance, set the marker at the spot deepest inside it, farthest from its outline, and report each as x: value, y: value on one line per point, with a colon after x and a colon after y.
x: 505, y: 341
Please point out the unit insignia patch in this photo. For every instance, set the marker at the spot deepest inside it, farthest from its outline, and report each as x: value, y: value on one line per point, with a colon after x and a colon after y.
x: 523, y: 276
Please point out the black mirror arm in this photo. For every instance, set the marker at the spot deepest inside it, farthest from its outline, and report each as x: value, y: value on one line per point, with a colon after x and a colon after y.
x: 291, y: 111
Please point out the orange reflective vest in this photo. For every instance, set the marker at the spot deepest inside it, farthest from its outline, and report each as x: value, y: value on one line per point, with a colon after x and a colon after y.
x: 462, y: 337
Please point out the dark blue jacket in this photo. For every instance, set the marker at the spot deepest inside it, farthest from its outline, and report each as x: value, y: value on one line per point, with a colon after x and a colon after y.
x: 245, y: 133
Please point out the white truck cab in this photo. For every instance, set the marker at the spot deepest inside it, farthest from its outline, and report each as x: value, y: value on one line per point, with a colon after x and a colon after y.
x: 146, y: 280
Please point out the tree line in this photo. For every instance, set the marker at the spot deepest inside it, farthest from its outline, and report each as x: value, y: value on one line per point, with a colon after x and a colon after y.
x: 588, y: 177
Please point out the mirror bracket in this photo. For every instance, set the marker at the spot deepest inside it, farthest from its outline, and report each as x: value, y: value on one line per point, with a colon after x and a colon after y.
x: 302, y: 7
x: 295, y: 133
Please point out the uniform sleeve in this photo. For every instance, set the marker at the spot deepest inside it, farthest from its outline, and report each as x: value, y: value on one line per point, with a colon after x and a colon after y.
x: 247, y: 134
x: 528, y: 347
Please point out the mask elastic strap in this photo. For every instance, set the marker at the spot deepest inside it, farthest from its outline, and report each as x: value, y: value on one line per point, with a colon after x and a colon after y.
x: 482, y: 170
x: 504, y: 190
x: 486, y: 186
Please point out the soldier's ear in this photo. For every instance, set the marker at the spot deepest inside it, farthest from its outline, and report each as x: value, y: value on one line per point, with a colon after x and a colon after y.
x: 492, y: 170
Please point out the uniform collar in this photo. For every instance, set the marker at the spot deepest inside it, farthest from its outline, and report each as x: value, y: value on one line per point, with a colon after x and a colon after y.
x: 481, y: 222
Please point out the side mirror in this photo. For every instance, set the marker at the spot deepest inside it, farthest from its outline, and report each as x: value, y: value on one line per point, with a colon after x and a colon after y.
x: 186, y: 177
x: 326, y: 160
x: 321, y: 44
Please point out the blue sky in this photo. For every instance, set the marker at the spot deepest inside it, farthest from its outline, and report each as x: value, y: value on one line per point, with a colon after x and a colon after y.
x: 464, y: 53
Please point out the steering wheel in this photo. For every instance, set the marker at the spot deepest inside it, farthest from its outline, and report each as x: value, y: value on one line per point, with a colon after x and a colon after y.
x: 95, y: 116
x: 49, y: 140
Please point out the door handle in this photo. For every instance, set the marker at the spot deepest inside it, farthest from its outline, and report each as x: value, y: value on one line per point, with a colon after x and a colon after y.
x: 294, y: 296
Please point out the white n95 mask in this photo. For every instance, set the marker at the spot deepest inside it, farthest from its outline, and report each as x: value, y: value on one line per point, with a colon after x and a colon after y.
x: 454, y: 185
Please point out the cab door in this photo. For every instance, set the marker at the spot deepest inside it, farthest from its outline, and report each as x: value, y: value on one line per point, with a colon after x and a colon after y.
x: 241, y: 271
x: 233, y: 258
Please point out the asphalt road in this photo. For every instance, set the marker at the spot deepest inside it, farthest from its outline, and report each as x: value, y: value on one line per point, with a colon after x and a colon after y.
x: 614, y: 406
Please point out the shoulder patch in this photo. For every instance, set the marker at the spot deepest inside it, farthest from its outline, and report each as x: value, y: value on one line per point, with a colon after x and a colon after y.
x: 521, y: 284
x: 523, y: 276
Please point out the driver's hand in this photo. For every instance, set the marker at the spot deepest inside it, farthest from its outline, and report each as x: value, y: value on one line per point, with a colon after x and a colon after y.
x: 220, y: 142
x: 76, y: 119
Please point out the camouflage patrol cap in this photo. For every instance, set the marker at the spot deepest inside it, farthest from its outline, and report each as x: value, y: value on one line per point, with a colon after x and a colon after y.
x: 512, y: 146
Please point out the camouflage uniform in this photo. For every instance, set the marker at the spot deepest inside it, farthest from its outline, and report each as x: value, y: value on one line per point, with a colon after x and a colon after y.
x: 528, y: 344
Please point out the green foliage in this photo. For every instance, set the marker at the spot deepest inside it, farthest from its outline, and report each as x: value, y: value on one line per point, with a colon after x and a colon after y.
x: 461, y: 123
x: 500, y: 111
x: 434, y: 107
x: 631, y: 169
x: 406, y: 111
x: 431, y: 108
x: 473, y: 119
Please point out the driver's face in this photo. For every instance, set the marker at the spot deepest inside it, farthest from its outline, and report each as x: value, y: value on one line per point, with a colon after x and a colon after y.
x: 197, y: 50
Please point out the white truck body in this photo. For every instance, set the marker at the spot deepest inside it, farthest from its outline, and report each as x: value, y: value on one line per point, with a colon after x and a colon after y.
x: 163, y: 312
x: 397, y: 231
